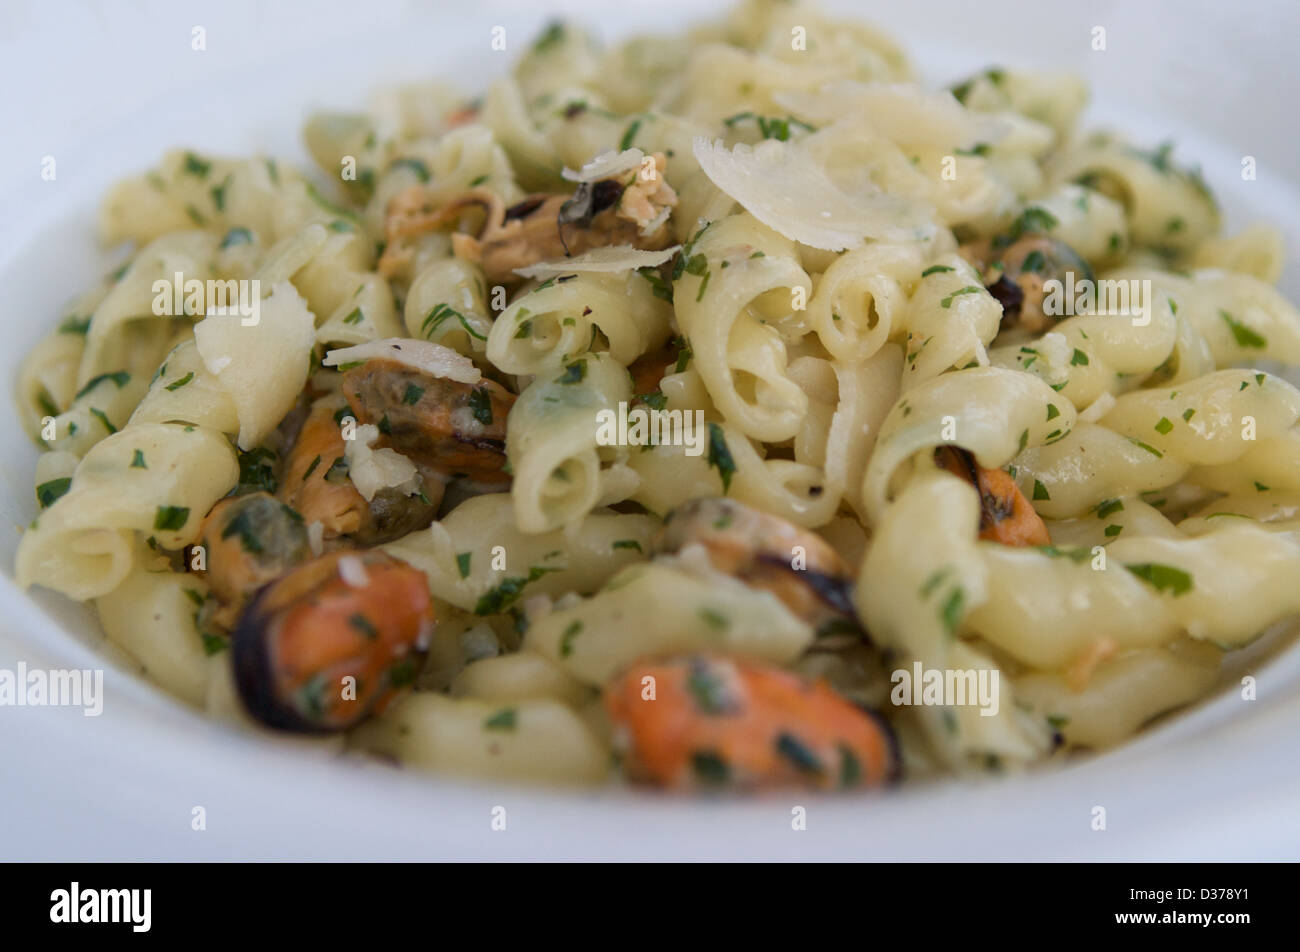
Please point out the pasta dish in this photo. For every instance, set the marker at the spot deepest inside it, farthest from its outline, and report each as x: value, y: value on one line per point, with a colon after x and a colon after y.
x: 724, y: 410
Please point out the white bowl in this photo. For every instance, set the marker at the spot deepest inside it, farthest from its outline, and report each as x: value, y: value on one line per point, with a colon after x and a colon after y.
x: 1217, y: 781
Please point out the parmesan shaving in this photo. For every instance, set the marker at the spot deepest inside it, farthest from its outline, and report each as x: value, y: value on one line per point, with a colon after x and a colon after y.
x: 422, y: 355
x: 606, y: 164
x: 610, y: 258
x: 353, y: 571
x: 374, y: 469
x: 906, y: 114
x: 785, y: 188
x: 654, y: 224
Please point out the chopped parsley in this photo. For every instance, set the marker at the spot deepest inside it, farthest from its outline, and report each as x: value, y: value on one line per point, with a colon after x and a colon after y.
x: 1163, y: 578
x: 969, y: 289
x: 714, y: 619
x: 1109, y: 507
x: 704, y: 286
x: 1032, y: 219
x: 770, y: 127
x: 462, y: 563
x: 75, y: 325
x: 684, y: 355
x: 550, y: 37
x: 575, y: 372
x: 963, y: 89
x: 1077, y: 554
x: 218, y: 193
x: 566, y: 639
x: 1243, y: 335
x: 326, y: 204
x: 661, y: 288
x: 933, y: 582
x: 119, y: 377
x: 1148, y: 447
x: 415, y: 165
x: 196, y: 166
x: 50, y: 492
x: 102, y: 417
x: 237, y: 236
x: 434, y: 319
x: 1034, y: 262
x: 170, y: 518
x: 245, y: 528
x: 497, y: 599
x: 213, y: 644
x: 720, y: 456
x: 505, y: 719
x: 688, y: 262
x: 951, y: 610
x: 629, y: 135
x: 257, y: 470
